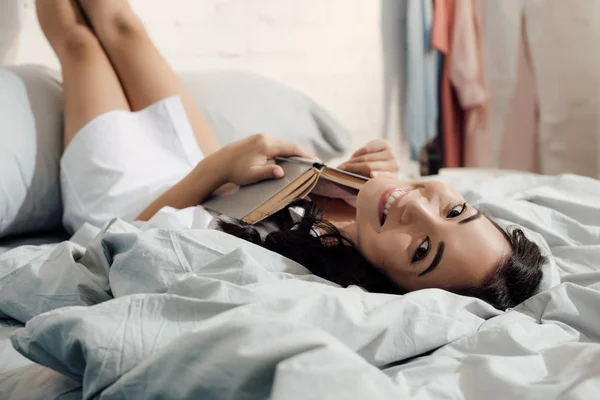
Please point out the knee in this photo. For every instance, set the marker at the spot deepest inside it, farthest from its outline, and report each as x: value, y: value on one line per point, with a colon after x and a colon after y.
x: 122, y: 25
x: 79, y: 41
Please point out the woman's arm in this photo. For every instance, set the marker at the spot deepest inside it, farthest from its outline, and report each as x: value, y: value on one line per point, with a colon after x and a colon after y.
x: 241, y: 163
x: 192, y: 190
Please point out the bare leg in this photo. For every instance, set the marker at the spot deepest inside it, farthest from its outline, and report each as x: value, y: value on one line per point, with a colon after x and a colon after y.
x: 144, y: 73
x: 91, y: 86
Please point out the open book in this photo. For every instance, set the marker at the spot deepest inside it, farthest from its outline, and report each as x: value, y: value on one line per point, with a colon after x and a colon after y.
x: 253, y: 203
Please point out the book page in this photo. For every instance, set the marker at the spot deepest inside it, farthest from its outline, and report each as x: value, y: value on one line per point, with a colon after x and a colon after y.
x: 327, y: 188
x: 299, y: 190
x: 344, y: 178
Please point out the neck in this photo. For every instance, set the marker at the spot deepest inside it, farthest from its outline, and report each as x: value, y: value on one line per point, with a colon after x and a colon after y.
x: 341, y: 214
x: 349, y: 230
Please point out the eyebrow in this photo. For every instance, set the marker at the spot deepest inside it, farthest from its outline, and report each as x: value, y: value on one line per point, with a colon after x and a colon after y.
x: 436, y: 259
x: 471, y: 218
x: 441, y: 245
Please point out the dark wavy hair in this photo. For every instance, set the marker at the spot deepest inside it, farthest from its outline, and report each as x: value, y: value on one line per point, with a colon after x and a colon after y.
x: 319, y: 246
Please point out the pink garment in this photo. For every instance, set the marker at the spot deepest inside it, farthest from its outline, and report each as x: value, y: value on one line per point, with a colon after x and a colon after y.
x: 518, y: 146
x: 513, y: 121
x: 467, y: 77
x: 466, y: 70
x: 451, y: 113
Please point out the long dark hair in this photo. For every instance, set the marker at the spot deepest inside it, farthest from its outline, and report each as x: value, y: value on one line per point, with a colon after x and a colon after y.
x: 326, y: 252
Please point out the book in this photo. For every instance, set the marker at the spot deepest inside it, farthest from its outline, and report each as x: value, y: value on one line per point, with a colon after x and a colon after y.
x: 253, y: 203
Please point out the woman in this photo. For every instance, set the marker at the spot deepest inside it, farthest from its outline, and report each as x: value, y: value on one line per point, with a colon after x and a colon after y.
x: 401, y: 236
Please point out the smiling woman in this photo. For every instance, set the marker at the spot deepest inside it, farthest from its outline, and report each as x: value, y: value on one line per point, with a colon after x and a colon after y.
x: 408, y: 236
x: 125, y: 108
x: 429, y: 237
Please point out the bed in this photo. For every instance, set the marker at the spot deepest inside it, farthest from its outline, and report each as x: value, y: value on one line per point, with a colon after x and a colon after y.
x: 124, y: 313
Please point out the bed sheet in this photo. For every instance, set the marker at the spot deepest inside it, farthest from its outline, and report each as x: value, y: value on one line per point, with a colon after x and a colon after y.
x: 201, y: 314
x: 11, y: 359
x: 22, y: 379
x: 39, y: 238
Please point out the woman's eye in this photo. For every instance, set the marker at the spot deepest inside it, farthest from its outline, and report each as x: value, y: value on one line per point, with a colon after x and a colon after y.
x: 421, y: 251
x: 456, y: 211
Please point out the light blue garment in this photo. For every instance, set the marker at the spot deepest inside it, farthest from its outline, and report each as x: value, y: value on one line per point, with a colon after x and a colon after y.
x: 421, y: 76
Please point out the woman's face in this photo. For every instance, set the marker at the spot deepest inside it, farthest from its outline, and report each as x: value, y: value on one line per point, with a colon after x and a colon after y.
x: 424, y: 235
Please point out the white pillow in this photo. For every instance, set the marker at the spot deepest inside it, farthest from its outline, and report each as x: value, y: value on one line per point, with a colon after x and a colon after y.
x: 236, y: 104
x: 30, y: 147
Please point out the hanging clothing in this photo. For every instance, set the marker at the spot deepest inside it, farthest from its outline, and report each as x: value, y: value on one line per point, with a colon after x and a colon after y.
x: 513, y: 122
x: 451, y: 113
x: 564, y: 37
x: 467, y: 78
x: 559, y: 41
x: 421, y: 77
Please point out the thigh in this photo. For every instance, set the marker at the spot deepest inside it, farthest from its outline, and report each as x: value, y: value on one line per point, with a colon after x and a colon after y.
x: 147, y: 78
x: 91, y: 86
x: 144, y: 73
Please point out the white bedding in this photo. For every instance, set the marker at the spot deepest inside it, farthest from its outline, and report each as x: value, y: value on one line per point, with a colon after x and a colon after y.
x: 11, y: 359
x: 199, y: 314
x: 22, y: 379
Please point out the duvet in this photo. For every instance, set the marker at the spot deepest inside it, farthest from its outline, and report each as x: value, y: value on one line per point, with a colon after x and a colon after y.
x: 200, y: 314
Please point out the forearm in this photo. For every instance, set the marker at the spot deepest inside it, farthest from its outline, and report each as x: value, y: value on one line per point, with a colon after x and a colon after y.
x: 192, y: 190
x: 240, y: 163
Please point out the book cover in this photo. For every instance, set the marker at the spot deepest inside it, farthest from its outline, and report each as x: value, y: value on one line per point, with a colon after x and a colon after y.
x: 253, y: 203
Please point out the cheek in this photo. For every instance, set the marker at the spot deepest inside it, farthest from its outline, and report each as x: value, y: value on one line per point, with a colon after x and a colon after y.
x: 385, y: 251
x: 368, y: 245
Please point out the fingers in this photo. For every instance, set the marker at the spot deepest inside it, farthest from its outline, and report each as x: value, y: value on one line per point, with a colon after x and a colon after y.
x: 276, y: 171
x: 372, y: 168
x: 379, y: 156
x: 374, y: 159
x: 272, y: 147
x: 366, y: 168
x: 360, y: 169
x: 270, y: 171
x: 381, y: 174
x: 373, y: 146
x: 281, y: 148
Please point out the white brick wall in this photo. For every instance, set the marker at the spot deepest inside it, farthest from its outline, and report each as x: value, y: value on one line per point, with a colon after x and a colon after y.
x: 329, y: 49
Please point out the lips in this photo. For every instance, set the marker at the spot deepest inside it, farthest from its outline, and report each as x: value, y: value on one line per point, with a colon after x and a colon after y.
x: 386, y: 196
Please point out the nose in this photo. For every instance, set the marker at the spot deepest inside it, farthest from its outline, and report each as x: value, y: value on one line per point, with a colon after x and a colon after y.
x: 417, y: 209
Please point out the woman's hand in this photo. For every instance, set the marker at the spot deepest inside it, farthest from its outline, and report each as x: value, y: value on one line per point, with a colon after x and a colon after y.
x: 247, y: 161
x: 241, y: 163
x: 374, y: 159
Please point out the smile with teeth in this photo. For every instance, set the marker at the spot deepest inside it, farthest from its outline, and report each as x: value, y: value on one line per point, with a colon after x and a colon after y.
x: 392, y: 197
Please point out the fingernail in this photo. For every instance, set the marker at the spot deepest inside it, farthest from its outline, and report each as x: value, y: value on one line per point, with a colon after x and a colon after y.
x: 278, y: 173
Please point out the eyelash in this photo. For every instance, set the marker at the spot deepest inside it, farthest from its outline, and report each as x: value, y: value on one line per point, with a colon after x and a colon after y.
x: 419, y: 257
x: 464, y: 207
